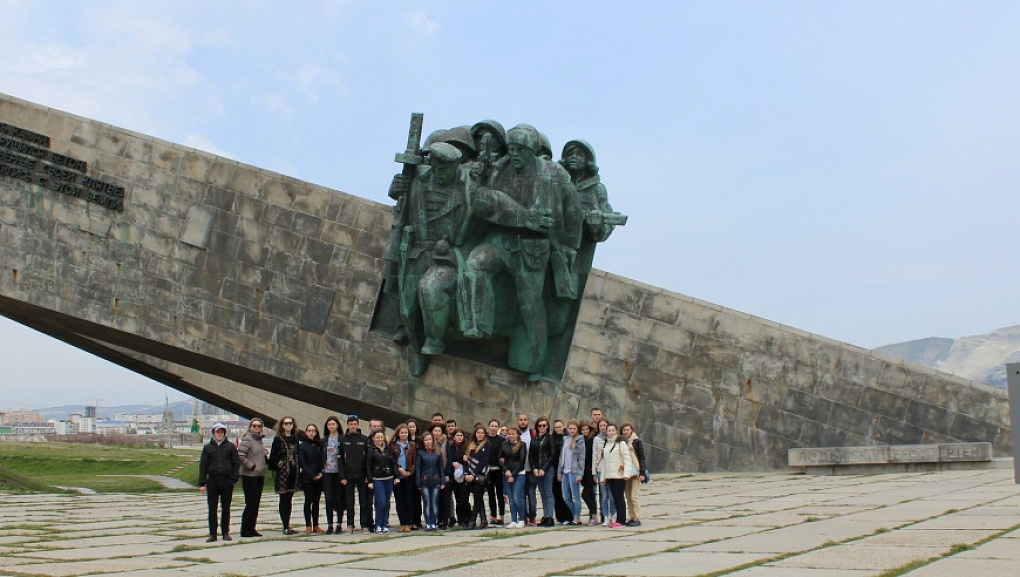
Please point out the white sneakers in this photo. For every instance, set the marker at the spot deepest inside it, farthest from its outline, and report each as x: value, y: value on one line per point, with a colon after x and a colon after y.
x: 513, y: 525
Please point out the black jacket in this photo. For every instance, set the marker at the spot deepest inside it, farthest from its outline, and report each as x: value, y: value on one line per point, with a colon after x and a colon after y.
x: 454, y: 454
x: 218, y: 461
x: 309, y: 459
x: 557, y: 447
x: 478, y: 463
x: 639, y: 449
x: 496, y: 442
x: 512, y: 461
x: 355, y: 450
x: 381, y: 463
x: 540, y: 453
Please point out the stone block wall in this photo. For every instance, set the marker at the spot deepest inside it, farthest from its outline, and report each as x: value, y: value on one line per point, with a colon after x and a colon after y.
x: 219, y: 276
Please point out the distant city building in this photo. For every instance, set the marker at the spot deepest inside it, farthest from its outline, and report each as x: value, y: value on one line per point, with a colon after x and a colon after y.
x: 12, y: 417
x: 90, y: 412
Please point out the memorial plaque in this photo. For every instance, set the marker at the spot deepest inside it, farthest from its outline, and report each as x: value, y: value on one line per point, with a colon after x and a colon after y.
x: 956, y: 452
x: 914, y: 454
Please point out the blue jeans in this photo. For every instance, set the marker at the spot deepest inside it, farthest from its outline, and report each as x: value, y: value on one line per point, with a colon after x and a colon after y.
x: 515, y: 490
x: 608, y: 508
x: 545, y: 487
x: 572, y: 494
x: 430, y: 500
x: 383, y: 490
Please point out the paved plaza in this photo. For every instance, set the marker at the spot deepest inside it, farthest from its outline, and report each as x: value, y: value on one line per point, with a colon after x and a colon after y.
x: 949, y: 524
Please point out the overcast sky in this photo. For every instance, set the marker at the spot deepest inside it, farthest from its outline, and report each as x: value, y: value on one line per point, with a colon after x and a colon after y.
x: 849, y: 169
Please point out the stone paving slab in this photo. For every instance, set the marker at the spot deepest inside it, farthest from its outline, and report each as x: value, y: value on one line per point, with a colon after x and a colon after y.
x: 911, y: 537
x: 771, y: 571
x: 955, y: 567
x: 75, y: 568
x: 777, y: 525
x: 679, y: 564
x: 875, y: 558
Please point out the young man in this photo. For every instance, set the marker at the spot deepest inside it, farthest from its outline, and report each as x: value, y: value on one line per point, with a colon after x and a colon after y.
x: 218, y: 471
x: 530, y: 506
x: 355, y: 448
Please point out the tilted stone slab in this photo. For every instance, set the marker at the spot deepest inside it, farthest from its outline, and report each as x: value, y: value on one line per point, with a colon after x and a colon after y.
x: 255, y: 292
x: 889, y: 454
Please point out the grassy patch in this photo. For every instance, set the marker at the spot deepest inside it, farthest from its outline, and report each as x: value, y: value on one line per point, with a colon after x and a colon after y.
x: 45, y: 465
x: 14, y: 482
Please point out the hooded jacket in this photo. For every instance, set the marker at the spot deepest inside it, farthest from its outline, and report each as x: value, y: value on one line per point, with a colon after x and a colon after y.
x: 218, y: 460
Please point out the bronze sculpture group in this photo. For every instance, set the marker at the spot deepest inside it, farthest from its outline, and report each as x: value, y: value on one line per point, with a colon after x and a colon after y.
x: 492, y: 241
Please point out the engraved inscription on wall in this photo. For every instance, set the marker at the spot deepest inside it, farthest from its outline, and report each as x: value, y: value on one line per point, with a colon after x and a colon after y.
x: 25, y: 155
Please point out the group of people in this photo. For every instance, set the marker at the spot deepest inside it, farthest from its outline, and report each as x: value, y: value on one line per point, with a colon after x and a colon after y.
x: 439, y: 478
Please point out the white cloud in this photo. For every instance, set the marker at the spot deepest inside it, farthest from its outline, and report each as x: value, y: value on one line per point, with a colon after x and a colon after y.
x: 203, y: 142
x: 276, y: 103
x: 420, y: 21
x: 311, y: 78
x: 214, y: 104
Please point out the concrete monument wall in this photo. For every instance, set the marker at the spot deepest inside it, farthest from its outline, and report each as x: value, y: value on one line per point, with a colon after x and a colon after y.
x: 255, y: 291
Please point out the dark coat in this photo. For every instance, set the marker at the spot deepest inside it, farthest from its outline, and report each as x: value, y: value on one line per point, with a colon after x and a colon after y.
x: 540, y: 453
x: 309, y: 459
x: 512, y: 461
x: 355, y: 449
x: 454, y: 454
x: 496, y: 442
x: 381, y: 463
x: 430, y: 470
x: 218, y: 461
x: 478, y: 463
x: 283, y: 461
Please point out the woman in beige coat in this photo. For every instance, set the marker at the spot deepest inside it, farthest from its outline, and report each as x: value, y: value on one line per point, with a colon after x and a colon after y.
x: 615, y: 457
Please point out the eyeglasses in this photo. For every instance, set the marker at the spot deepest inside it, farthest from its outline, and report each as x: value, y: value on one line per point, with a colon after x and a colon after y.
x: 543, y: 426
x: 256, y: 426
x: 291, y: 423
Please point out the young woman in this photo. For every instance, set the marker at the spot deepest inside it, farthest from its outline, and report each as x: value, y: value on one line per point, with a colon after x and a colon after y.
x: 415, y: 436
x: 543, y: 470
x: 333, y: 474
x: 252, y: 455
x: 615, y: 456
x: 476, y: 463
x: 429, y: 473
x: 404, y: 493
x: 382, y: 467
x: 455, y: 471
x: 570, y: 469
x: 310, y: 463
x: 606, y: 504
x: 512, y: 456
x: 632, y: 491
x: 283, y: 461
x: 494, y: 482
x: 587, y: 479
x: 438, y: 431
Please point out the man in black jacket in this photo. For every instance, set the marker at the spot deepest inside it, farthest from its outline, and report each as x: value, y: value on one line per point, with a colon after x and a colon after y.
x: 218, y: 471
x: 355, y: 448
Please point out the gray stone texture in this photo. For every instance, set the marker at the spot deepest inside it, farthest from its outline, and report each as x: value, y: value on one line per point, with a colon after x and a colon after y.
x: 261, y: 281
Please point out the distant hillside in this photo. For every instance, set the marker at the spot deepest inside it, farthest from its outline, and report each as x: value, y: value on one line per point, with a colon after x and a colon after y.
x: 980, y: 358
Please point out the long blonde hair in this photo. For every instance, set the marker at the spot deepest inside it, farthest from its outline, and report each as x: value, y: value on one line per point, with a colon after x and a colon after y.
x: 577, y: 427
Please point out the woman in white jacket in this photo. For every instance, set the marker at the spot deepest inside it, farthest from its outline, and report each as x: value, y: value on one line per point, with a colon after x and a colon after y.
x: 615, y: 457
